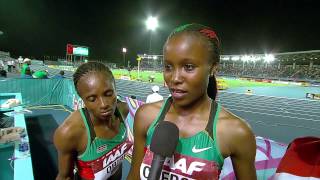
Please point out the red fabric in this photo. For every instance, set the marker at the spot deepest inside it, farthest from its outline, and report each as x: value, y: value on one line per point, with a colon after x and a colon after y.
x: 69, y: 49
x: 85, y: 170
x: 302, y: 158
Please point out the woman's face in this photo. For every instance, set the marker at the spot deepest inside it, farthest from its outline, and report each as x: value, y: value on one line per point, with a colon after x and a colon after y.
x: 186, y: 68
x: 98, y: 94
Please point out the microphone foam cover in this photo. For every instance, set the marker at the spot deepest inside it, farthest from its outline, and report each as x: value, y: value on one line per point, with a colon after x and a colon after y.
x: 165, y: 139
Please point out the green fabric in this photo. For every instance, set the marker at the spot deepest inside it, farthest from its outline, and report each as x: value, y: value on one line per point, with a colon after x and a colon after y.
x: 23, y: 69
x: 40, y: 74
x: 92, y: 145
x: 198, y: 141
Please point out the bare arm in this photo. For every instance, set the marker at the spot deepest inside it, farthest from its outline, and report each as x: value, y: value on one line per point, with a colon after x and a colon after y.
x: 66, y: 149
x: 142, y: 120
x: 243, y: 152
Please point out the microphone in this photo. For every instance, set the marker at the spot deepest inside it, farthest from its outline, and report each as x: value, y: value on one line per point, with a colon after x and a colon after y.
x: 163, y: 144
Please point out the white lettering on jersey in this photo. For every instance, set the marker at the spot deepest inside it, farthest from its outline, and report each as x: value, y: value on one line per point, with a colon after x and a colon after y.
x: 181, y: 164
x: 114, y: 156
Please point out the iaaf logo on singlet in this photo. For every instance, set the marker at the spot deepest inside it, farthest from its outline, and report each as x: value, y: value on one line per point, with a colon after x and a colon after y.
x: 110, y: 160
x: 115, y: 155
x: 181, y: 167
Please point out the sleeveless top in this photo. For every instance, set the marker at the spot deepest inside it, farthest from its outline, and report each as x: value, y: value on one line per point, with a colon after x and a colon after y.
x: 102, y: 157
x: 195, y: 157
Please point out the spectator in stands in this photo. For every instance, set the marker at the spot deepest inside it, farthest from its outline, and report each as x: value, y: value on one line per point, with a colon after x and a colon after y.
x: 155, y: 96
x: 59, y: 76
x: 94, y: 138
x: 208, y: 132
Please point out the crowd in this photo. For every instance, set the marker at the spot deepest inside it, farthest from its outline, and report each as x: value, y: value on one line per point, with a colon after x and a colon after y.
x: 271, y: 71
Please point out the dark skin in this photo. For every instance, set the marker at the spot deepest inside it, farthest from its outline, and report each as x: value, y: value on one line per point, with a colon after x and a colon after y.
x: 187, y: 70
x: 99, y: 96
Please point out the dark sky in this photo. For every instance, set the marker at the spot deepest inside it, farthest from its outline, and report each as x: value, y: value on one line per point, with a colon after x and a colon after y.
x: 44, y: 27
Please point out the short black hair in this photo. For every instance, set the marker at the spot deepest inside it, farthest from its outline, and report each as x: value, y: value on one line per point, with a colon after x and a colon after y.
x: 88, y: 67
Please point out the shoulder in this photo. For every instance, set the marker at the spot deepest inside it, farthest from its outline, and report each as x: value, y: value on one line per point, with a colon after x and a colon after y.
x: 234, y: 132
x: 68, y: 133
x: 146, y: 114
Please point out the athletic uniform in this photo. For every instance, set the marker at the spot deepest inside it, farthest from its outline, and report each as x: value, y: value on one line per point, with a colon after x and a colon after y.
x: 23, y: 69
x: 195, y: 157
x: 102, y: 157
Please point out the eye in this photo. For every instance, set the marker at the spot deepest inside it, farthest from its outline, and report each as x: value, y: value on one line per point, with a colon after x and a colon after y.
x: 189, y: 67
x: 167, y: 67
x: 91, y: 99
x: 109, y: 93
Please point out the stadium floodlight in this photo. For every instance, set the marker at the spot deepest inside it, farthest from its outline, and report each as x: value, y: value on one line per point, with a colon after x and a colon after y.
x: 1, y: 33
x: 269, y: 58
x: 154, y: 57
x: 235, y: 58
x: 225, y: 58
x: 245, y: 58
x: 255, y: 58
x: 124, y: 51
x: 152, y: 23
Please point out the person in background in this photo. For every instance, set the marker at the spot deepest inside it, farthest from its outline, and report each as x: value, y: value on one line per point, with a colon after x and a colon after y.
x: 25, y: 65
x: 208, y: 133
x: 155, y: 96
x: 20, y: 62
x: 94, y: 139
x: 27, y: 73
x: 59, y: 76
x: 10, y: 64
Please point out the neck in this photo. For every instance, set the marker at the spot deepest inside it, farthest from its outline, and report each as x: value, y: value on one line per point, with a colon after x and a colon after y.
x: 103, y: 122
x: 194, y: 107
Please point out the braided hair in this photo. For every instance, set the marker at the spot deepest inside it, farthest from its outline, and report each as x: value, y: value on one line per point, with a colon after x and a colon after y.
x: 209, y: 36
x: 89, y: 67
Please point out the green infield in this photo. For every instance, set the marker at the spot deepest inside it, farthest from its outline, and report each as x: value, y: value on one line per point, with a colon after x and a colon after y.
x: 246, y: 83
x: 158, y: 78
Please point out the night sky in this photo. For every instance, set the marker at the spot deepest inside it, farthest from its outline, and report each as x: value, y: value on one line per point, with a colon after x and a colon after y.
x: 35, y: 28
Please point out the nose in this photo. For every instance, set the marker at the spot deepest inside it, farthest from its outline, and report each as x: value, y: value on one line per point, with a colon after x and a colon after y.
x: 104, y: 102
x: 177, y: 76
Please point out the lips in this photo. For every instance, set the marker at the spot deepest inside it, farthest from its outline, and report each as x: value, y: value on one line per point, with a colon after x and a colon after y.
x: 106, y: 113
x: 178, y: 93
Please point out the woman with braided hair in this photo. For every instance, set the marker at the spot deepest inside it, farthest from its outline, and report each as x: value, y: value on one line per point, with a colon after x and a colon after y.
x: 93, y: 140
x: 208, y: 133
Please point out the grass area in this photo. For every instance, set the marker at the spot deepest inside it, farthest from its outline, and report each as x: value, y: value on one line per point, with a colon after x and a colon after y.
x: 231, y: 83
x: 144, y: 75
